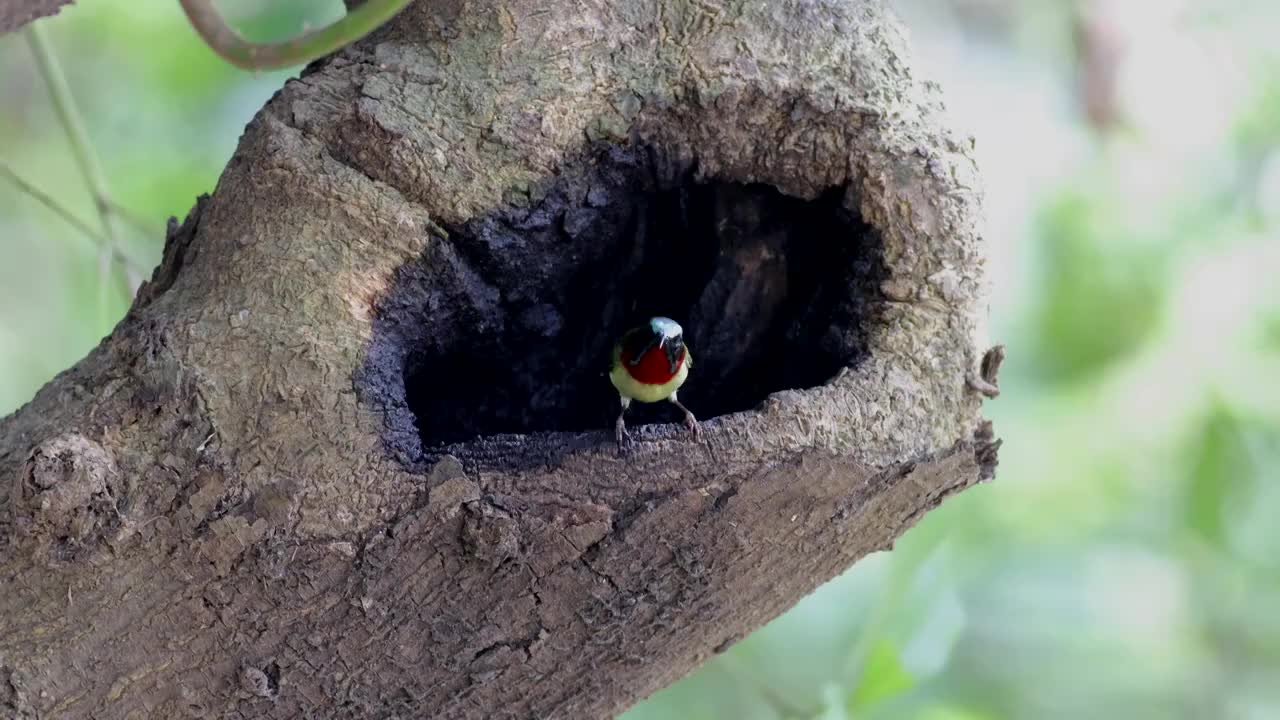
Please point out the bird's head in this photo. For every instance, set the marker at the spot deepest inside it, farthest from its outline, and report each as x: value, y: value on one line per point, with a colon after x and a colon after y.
x: 644, y: 343
x: 669, y: 336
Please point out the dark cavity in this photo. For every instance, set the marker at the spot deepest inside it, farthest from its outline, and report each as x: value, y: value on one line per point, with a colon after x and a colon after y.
x: 507, y: 326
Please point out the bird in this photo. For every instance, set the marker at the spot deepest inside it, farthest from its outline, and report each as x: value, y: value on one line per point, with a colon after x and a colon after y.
x: 650, y: 364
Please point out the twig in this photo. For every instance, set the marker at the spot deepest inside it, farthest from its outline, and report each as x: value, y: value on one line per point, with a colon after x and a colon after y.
x: 49, y: 202
x: 233, y: 48
x: 906, y: 562
x: 64, y: 104
x: 144, y: 226
x: 125, y: 260
x: 987, y: 380
x: 771, y: 697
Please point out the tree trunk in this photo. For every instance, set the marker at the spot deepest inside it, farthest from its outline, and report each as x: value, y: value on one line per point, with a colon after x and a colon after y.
x: 350, y: 453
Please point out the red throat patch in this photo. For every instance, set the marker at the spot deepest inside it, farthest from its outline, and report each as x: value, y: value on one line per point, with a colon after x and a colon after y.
x: 653, y: 368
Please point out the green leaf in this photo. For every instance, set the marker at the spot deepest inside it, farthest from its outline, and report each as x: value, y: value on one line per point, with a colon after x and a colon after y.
x: 951, y: 712
x: 1101, y: 293
x: 1271, y: 330
x: 883, y: 677
x: 1259, y: 124
x: 1216, y: 463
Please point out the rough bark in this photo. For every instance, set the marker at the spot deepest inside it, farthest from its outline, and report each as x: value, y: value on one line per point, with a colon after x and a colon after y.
x: 349, y: 454
x: 16, y: 13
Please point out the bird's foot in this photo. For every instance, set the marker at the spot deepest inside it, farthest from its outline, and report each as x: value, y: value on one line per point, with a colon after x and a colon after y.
x: 691, y: 423
x: 623, y: 437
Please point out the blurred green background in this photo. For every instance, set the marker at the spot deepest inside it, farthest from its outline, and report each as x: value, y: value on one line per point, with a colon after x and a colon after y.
x: 1126, y: 561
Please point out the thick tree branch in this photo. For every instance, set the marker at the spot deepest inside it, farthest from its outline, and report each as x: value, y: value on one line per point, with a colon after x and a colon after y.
x: 350, y: 452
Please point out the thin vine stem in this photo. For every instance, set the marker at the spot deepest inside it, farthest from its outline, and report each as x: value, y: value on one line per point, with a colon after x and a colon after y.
x: 64, y: 104
x: 51, y: 203
x: 121, y: 257
x: 233, y: 48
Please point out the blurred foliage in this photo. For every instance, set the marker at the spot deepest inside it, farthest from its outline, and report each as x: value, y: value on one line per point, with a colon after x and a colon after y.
x: 1218, y: 463
x: 1099, y: 298
x: 1126, y: 561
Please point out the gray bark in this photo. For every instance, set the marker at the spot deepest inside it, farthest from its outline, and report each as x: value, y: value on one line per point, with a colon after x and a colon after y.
x: 350, y: 452
x: 16, y: 13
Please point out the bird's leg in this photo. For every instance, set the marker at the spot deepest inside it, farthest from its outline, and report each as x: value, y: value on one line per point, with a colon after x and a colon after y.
x: 690, y: 421
x: 620, y: 427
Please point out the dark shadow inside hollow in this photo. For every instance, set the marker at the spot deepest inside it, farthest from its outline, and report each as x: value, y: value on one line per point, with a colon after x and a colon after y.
x: 507, y: 325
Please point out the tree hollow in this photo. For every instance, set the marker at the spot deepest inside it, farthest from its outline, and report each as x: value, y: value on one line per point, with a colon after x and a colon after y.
x: 506, y: 324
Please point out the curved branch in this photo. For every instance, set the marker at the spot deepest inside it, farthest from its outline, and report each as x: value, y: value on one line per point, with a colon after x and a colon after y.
x: 242, y: 53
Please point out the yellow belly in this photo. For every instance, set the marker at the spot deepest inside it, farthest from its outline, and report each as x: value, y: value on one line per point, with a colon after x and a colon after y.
x: 629, y: 387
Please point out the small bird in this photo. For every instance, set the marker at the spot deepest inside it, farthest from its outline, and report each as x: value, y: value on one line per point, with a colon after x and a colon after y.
x: 650, y: 363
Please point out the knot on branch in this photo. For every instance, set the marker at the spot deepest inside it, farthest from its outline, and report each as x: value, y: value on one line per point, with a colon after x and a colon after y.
x: 258, y: 682
x: 67, y: 492
x: 490, y: 533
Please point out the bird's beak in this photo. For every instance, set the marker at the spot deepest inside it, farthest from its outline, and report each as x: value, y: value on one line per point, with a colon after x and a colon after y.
x: 662, y: 342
